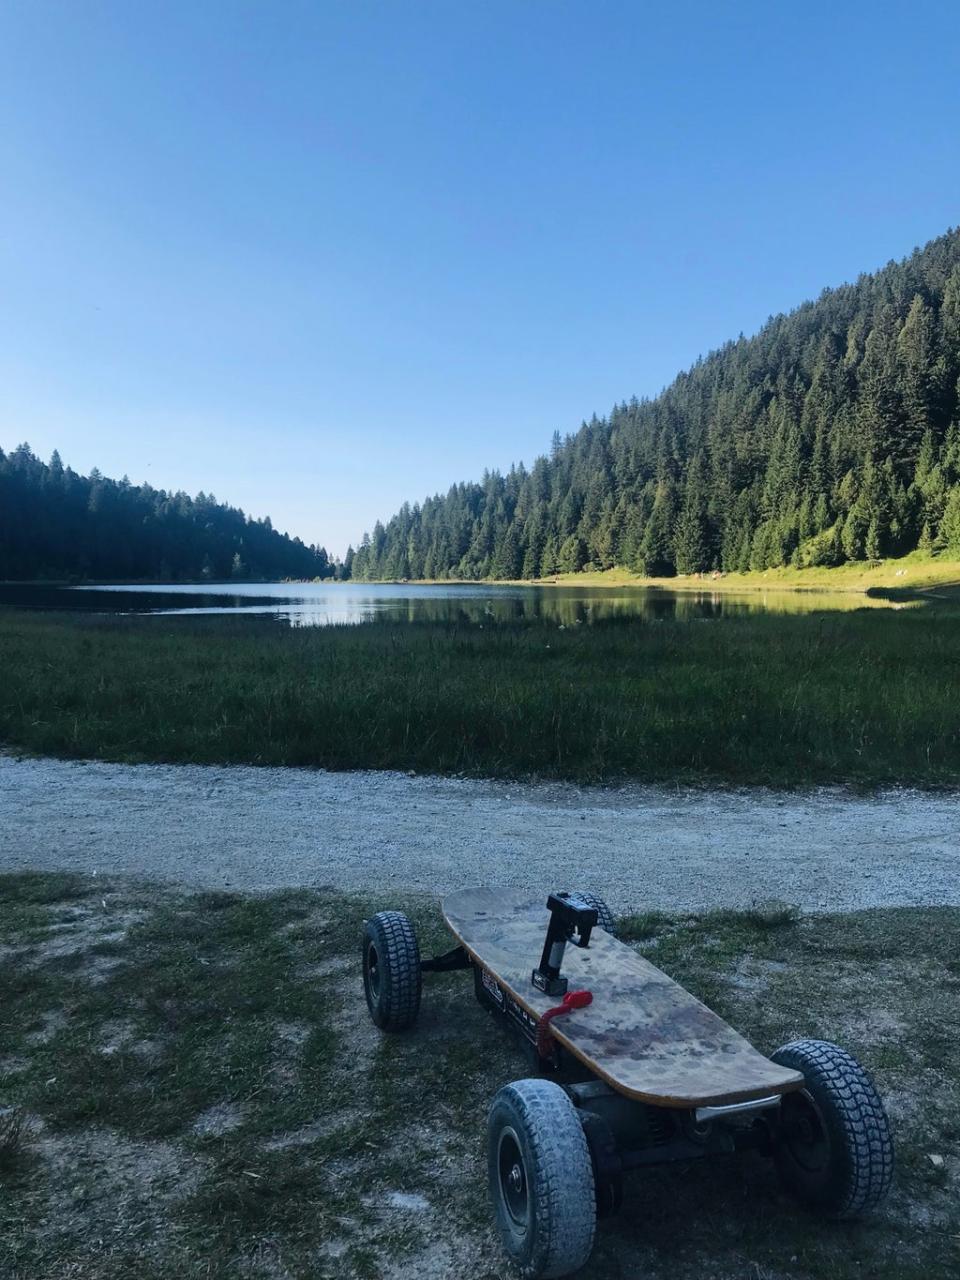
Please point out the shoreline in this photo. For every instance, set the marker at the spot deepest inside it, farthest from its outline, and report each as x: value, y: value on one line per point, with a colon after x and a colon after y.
x: 906, y: 576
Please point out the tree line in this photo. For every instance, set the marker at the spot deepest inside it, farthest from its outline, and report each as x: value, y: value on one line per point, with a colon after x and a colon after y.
x: 832, y: 435
x: 56, y: 524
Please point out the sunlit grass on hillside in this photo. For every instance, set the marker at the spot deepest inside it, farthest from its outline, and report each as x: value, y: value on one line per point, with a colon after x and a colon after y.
x: 865, y: 697
x: 918, y: 571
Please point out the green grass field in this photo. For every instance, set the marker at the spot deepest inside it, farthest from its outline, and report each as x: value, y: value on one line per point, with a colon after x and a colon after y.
x: 190, y: 1086
x: 867, y: 696
x: 918, y: 571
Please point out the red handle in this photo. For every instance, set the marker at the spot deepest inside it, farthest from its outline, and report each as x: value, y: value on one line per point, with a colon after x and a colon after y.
x: 576, y: 1000
x: 572, y: 1000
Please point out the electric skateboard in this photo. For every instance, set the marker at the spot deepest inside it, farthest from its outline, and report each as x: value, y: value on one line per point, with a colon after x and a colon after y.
x: 627, y: 1069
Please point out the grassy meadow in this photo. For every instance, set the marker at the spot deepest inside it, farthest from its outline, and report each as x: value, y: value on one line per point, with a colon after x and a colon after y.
x: 190, y: 1086
x: 918, y: 571
x: 867, y: 696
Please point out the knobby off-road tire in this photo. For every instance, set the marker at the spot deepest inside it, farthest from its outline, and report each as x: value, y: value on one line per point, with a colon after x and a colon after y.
x: 836, y: 1152
x: 541, y: 1179
x: 391, y: 970
x: 605, y: 918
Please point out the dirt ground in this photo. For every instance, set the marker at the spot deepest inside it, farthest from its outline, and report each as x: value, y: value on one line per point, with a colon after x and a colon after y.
x: 190, y: 1086
x: 648, y: 847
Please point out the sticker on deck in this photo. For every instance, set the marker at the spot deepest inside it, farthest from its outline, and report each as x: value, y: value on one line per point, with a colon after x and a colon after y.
x: 491, y: 986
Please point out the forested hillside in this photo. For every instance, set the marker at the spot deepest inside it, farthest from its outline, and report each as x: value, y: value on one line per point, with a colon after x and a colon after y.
x: 832, y: 435
x: 57, y: 524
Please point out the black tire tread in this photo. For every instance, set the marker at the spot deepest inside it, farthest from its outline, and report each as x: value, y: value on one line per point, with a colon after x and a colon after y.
x: 605, y: 917
x: 396, y: 943
x: 564, y: 1188
x: 838, y: 1082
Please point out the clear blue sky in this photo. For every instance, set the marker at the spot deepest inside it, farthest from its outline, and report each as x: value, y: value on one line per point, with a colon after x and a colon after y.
x: 319, y: 258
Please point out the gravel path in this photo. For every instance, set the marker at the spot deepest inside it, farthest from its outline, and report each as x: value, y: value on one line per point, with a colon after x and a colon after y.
x: 250, y: 828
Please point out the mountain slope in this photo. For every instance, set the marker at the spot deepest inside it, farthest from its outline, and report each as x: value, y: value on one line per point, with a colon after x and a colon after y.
x: 832, y: 435
x: 57, y: 524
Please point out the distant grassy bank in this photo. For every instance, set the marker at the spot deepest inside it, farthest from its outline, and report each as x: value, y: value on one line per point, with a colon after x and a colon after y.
x: 918, y: 571
x: 866, y: 697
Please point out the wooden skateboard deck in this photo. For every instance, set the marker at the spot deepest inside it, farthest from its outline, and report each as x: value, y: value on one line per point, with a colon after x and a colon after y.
x: 643, y: 1034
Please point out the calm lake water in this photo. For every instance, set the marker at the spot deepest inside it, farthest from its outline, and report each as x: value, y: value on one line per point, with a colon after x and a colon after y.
x: 323, y: 604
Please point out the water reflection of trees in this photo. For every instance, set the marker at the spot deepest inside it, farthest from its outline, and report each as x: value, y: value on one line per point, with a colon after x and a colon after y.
x: 563, y: 608
x: 580, y: 608
x: 323, y: 605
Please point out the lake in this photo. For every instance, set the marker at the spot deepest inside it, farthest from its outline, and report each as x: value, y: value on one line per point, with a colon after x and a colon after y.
x: 326, y: 603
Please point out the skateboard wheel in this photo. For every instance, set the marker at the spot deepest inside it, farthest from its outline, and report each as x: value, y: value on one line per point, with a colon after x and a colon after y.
x: 541, y: 1179
x: 605, y: 917
x: 834, y: 1151
x: 391, y: 970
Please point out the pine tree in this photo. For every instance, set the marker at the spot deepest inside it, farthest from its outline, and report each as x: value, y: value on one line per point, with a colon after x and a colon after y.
x: 507, y: 561
x: 921, y: 376
x: 573, y: 555
x: 550, y: 562
x: 656, y: 547
x: 691, y: 541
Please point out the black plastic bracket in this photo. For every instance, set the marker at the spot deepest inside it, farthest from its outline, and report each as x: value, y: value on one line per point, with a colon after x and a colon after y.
x: 571, y: 920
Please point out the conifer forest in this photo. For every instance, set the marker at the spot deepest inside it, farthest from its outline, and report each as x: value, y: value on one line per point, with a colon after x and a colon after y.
x: 55, y: 523
x: 833, y: 435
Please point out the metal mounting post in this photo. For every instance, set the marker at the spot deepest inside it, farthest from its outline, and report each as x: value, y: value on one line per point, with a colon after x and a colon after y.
x: 450, y: 960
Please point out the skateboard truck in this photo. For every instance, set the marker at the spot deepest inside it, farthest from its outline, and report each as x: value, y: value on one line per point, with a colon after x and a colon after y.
x: 571, y: 920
